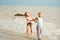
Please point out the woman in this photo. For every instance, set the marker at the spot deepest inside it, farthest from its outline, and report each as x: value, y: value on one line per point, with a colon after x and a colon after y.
x: 29, y: 22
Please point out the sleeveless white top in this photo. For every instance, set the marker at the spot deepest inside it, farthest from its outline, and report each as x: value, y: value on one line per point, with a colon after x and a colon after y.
x: 40, y: 22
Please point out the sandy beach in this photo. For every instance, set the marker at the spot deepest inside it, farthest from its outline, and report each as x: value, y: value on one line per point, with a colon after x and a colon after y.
x: 46, y: 35
x: 13, y: 28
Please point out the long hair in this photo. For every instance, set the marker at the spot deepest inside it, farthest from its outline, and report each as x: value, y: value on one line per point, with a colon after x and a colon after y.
x: 26, y: 14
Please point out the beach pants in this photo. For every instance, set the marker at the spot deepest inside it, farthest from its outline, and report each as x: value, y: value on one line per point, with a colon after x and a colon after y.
x: 38, y: 32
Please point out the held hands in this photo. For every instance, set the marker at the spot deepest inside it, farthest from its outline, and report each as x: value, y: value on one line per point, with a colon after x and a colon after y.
x: 35, y: 20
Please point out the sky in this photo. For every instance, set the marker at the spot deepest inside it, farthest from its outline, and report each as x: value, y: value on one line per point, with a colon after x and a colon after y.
x: 30, y: 3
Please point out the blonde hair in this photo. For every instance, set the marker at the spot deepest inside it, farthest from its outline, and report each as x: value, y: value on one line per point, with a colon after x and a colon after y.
x: 39, y: 14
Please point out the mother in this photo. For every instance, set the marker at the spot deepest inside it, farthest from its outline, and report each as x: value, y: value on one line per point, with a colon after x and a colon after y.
x: 28, y: 21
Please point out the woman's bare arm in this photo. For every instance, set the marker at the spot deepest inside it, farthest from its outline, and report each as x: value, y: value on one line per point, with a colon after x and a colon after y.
x: 35, y: 19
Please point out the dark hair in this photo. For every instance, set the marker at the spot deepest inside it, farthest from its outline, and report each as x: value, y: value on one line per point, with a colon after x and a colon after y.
x: 25, y: 14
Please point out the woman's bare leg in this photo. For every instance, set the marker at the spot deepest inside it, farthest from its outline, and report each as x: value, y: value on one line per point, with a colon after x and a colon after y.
x: 31, y: 29
x: 27, y: 29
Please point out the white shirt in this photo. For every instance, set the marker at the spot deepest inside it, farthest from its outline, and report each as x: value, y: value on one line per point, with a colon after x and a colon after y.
x: 40, y: 22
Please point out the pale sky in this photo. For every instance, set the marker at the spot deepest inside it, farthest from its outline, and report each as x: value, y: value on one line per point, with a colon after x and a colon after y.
x: 30, y: 3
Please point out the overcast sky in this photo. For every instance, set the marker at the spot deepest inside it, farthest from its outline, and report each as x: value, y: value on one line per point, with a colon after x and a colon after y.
x: 30, y: 3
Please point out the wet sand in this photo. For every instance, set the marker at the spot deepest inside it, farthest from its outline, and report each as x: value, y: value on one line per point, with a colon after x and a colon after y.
x: 8, y: 35
x: 23, y: 36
